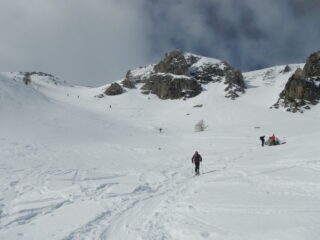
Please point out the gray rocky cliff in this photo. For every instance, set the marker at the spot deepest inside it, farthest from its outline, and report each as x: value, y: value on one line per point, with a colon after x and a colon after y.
x: 303, y: 88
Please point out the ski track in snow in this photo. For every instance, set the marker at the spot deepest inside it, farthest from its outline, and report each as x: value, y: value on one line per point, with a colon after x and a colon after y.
x: 72, y: 168
x: 150, y: 199
x: 156, y: 207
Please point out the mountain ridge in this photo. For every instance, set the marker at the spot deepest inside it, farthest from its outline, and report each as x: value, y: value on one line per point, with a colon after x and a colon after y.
x: 183, y: 75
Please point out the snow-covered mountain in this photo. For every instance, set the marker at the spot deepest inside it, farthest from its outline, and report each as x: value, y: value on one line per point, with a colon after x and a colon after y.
x: 75, y: 165
x: 182, y: 75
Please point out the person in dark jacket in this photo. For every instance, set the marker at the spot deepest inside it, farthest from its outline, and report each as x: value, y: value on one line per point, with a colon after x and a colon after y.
x: 262, y: 140
x: 196, y: 159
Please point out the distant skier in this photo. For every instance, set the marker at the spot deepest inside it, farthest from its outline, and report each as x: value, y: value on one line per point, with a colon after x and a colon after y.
x: 196, y: 159
x: 262, y: 140
x: 160, y: 130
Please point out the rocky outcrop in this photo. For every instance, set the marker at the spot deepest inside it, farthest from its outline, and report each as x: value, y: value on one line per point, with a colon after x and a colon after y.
x: 130, y: 77
x: 312, y: 66
x: 203, y: 70
x: 181, y: 75
x: 129, y: 81
x: 209, y: 73
x: 235, y: 83
x: 114, y: 89
x: 174, y: 62
x: 27, y: 77
x: 166, y: 86
x: 286, y: 69
x: 303, y: 88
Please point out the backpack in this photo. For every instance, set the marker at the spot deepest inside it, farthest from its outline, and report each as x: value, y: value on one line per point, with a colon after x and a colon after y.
x: 197, y: 158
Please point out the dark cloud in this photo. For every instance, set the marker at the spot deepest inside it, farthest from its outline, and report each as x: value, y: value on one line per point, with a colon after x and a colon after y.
x: 247, y: 33
x: 94, y: 42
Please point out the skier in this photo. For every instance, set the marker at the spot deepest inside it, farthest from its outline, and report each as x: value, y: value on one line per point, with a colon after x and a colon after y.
x: 196, y: 159
x: 262, y: 140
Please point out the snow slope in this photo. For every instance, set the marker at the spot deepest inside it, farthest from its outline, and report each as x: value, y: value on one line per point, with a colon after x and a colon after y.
x: 71, y: 167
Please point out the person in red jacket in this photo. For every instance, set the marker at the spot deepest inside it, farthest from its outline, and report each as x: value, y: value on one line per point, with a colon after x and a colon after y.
x: 273, y: 138
x: 196, y: 159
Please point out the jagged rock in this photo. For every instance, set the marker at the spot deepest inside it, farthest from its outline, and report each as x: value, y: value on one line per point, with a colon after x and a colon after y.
x: 300, y: 87
x: 303, y: 87
x: 166, y: 86
x: 131, y: 78
x: 178, y: 66
x: 235, y: 83
x: 27, y: 77
x: 299, y: 91
x: 312, y: 66
x: 209, y: 73
x: 114, y: 89
x: 128, y: 83
x: 234, y: 76
x: 286, y: 69
x: 174, y: 62
x: 295, y: 86
x: 191, y: 59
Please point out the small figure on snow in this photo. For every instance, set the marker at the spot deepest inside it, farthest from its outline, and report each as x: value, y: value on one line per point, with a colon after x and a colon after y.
x: 262, y: 140
x: 160, y: 130
x: 196, y: 159
x: 273, y: 138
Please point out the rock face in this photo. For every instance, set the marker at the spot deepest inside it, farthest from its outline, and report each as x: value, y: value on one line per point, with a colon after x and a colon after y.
x: 287, y: 69
x: 194, y: 71
x: 209, y: 73
x: 235, y: 83
x: 303, y: 87
x: 127, y: 83
x: 170, y: 87
x: 27, y: 77
x: 312, y: 67
x: 131, y: 78
x: 114, y: 89
x: 174, y: 62
x: 181, y: 75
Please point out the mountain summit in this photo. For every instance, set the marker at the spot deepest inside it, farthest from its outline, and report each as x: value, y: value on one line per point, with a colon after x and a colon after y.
x: 182, y: 75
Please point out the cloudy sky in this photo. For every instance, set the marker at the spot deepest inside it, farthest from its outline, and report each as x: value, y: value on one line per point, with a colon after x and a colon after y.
x: 92, y: 42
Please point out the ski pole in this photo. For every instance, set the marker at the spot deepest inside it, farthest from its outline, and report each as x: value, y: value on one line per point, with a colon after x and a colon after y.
x: 191, y: 168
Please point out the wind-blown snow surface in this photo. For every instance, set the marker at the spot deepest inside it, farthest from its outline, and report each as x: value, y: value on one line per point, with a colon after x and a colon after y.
x: 71, y: 167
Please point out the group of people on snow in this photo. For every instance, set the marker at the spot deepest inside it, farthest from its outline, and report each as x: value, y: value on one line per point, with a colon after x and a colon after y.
x: 270, y: 142
x: 197, y: 159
